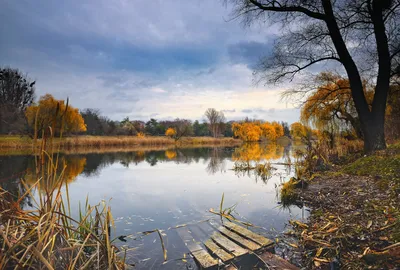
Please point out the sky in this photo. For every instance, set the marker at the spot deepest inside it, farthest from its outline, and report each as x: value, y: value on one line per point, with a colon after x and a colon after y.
x: 143, y: 59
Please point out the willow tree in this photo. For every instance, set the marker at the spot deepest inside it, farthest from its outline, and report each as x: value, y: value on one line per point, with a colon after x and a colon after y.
x: 54, y: 114
x: 257, y: 130
x: 362, y: 36
x: 331, y: 105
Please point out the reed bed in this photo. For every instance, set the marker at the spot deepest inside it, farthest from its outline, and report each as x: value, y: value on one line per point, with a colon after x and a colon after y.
x: 46, y: 235
x: 17, y: 142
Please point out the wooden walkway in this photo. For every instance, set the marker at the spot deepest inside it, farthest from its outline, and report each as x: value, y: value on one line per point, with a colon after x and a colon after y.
x: 209, y: 244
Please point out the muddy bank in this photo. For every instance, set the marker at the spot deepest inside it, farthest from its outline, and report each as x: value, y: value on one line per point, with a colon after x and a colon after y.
x: 354, y: 222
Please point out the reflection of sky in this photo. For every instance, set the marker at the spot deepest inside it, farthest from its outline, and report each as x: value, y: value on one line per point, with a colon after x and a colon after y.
x: 180, y: 188
x: 145, y: 197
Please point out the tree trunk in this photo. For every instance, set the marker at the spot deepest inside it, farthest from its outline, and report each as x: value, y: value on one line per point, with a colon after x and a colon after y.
x: 372, y: 121
x: 374, y: 134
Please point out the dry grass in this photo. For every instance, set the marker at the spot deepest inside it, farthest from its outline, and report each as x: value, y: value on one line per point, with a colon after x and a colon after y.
x: 46, y: 236
x: 17, y: 142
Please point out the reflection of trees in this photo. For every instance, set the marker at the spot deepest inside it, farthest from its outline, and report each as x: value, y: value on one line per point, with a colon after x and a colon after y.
x: 216, y: 162
x: 96, y: 162
x: 252, y: 159
x: 131, y: 157
x: 68, y: 168
x: 12, y: 169
x: 259, y: 171
x: 249, y: 152
x: 170, y: 154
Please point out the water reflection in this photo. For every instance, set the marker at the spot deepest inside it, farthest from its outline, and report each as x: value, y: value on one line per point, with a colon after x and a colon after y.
x: 216, y: 162
x: 255, y: 152
x: 165, y: 188
x: 13, y: 168
x: 90, y: 165
x: 68, y: 168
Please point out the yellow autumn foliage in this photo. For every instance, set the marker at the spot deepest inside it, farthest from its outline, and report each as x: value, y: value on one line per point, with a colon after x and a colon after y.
x: 249, y: 152
x: 55, y: 114
x: 257, y: 130
x: 331, y: 105
x: 69, y: 166
x: 298, y: 130
x: 170, y: 132
x: 170, y: 154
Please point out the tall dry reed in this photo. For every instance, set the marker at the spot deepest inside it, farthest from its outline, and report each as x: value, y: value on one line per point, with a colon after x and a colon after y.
x: 46, y: 236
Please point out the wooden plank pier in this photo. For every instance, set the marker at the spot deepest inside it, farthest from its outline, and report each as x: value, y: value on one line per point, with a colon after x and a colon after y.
x: 227, y: 243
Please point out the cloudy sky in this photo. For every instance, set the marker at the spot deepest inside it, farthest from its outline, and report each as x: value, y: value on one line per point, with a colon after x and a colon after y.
x: 161, y: 58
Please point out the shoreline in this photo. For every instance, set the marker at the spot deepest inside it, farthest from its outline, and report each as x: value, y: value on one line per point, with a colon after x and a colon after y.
x: 10, y: 144
x: 354, y: 221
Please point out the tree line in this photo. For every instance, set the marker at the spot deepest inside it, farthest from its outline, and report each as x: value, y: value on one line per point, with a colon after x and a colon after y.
x: 325, y: 103
x: 20, y: 114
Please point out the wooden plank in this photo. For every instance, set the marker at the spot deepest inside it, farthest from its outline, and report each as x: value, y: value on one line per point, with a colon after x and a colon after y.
x: 237, y: 238
x: 231, y: 267
x: 261, y: 240
x: 197, y: 232
x: 218, y: 251
x: 202, y: 256
x: 276, y: 262
x: 228, y: 244
x: 210, y: 245
x: 204, y: 259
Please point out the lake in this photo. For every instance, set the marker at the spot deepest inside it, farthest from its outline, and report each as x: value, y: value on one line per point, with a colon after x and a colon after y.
x: 162, y: 189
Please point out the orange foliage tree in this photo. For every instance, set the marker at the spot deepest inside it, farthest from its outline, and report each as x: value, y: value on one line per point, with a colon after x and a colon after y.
x: 170, y: 132
x: 331, y: 107
x: 257, y: 130
x: 53, y: 113
x: 298, y: 130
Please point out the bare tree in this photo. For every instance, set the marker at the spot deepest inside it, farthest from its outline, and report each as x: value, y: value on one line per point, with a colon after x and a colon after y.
x: 183, y: 127
x: 362, y: 36
x: 17, y: 92
x: 216, y: 121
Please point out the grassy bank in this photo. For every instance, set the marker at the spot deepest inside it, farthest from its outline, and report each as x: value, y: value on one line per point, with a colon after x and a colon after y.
x: 18, y: 142
x: 355, y: 217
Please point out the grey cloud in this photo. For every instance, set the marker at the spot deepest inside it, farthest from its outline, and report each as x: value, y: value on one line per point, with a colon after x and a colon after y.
x: 127, y: 81
x: 121, y: 96
x: 250, y: 52
x: 112, y: 52
x: 229, y: 111
x: 259, y: 110
x: 206, y: 72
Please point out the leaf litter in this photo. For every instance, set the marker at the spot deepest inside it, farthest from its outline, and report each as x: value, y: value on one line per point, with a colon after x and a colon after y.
x: 354, y: 223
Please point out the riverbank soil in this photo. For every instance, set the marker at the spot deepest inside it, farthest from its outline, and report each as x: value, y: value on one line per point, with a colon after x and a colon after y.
x: 355, y: 216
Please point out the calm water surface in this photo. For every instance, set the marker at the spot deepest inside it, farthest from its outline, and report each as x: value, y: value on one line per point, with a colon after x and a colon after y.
x: 162, y: 189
